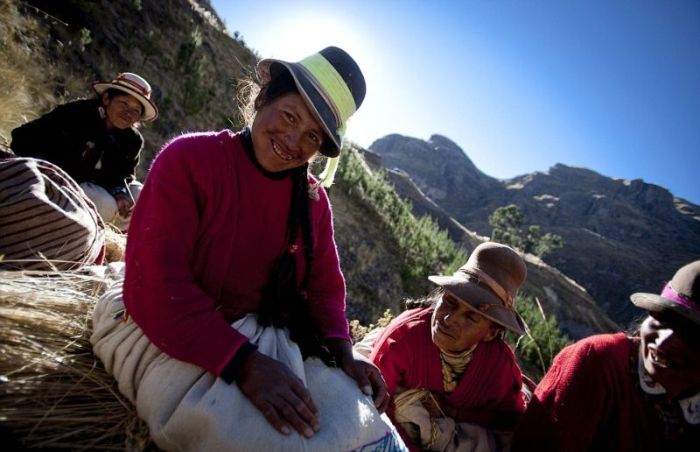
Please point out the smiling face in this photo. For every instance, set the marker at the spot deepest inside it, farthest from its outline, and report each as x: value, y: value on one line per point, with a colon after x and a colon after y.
x: 456, y: 326
x: 122, y: 111
x: 285, y: 134
x: 671, y: 354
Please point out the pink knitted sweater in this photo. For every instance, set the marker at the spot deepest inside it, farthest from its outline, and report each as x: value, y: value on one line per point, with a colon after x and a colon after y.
x: 205, y: 232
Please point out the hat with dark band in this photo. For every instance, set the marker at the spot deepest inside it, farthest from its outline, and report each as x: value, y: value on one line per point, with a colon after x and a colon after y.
x: 488, y: 283
x: 135, y: 85
x: 332, y: 86
x: 681, y: 294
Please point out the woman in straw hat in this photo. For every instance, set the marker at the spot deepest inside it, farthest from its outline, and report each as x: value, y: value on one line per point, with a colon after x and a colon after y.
x: 453, y: 381
x: 96, y: 142
x: 614, y: 392
x: 232, y: 230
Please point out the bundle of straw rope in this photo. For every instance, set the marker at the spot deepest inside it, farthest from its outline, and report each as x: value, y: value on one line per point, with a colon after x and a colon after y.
x: 54, y: 393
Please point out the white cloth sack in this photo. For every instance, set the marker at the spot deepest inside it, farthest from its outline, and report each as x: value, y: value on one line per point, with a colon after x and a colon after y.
x: 188, y: 409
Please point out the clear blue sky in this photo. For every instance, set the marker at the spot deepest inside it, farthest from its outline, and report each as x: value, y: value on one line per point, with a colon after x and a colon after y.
x: 610, y: 85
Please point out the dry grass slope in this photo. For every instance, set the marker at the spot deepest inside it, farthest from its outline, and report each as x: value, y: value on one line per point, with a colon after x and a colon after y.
x: 24, y: 72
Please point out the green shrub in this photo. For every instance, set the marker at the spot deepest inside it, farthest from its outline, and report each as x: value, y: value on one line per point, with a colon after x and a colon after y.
x: 358, y: 331
x: 85, y: 38
x: 425, y: 248
x: 542, y: 341
x: 190, y: 62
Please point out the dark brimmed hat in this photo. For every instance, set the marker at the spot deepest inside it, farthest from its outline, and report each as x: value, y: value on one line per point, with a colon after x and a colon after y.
x: 488, y: 282
x: 681, y: 294
x: 331, y: 84
x: 135, y: 85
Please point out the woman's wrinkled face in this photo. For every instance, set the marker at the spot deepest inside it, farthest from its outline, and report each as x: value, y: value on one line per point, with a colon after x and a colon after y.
x: 121, y: 112
x: 671, y: 353
x: 456, y: 327
x: 285, y: 134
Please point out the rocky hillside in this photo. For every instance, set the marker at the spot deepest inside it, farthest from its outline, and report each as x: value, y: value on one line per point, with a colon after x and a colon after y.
x: 620, y: 236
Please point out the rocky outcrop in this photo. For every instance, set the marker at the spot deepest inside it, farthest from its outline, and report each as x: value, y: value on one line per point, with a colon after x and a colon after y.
x: 620, y: 236
x: 441, y: 177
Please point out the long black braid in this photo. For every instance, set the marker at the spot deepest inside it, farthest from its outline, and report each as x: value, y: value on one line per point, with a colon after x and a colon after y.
x: 284, y: 304
x: 281, y: 287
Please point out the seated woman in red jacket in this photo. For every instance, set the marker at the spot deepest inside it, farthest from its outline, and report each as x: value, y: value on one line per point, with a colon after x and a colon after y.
x: 447, y: 369
x: 614, y: 392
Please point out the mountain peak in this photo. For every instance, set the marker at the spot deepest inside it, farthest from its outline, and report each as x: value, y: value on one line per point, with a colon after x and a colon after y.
x: 442, y: 141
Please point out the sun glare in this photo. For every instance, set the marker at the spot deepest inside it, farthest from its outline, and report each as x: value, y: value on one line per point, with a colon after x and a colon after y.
x: 298, y: 36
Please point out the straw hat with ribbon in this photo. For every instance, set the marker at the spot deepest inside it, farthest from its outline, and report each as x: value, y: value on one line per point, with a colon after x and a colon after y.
x: 135, y: 85
x: 488, y: 283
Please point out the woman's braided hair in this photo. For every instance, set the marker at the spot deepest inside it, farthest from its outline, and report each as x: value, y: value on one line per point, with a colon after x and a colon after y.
x: 283, y: 301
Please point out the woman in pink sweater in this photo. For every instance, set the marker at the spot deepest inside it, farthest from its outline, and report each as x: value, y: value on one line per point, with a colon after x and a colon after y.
x: 230, y: 224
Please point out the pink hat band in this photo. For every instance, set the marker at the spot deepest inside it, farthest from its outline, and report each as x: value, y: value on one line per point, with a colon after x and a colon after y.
x: 670, y: 294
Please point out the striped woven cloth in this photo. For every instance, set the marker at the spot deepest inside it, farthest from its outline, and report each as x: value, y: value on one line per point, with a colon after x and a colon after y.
x: 46, y: 221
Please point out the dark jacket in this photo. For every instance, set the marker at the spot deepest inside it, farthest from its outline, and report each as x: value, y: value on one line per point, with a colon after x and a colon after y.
x: 74, y: 137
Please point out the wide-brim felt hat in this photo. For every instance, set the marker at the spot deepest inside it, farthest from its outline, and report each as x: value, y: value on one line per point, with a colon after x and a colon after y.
x: 135, y: 85
x: 681, y: 294
x: 488, y: 283
x: 332, y: 86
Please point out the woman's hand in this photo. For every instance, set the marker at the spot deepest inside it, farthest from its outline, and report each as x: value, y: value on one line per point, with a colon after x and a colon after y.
x: 279, y: 395
x: 124, y: 205
x: 366, y: 374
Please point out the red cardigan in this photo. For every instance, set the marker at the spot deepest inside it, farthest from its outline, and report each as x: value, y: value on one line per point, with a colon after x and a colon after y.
x: 204, y: 234
x: 488, y: 392
x: 590, y: 399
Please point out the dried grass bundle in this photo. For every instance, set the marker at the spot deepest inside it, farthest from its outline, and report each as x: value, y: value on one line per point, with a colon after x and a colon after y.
x: 115, y: 244
x: 54, y: 393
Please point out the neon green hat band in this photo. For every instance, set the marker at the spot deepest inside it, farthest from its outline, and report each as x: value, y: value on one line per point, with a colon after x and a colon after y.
x: 333, y: 87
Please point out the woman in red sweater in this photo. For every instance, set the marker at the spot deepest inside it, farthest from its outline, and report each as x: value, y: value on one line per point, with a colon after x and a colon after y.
x: 453, y: 381
x: 613, y: 392
x: 232, y: 224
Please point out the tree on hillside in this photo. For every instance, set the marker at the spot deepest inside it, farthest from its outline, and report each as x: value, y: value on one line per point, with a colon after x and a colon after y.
x: 507, y: 223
